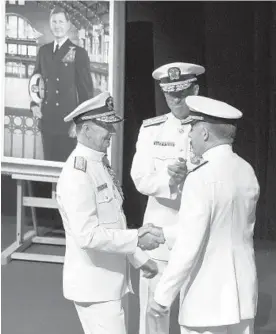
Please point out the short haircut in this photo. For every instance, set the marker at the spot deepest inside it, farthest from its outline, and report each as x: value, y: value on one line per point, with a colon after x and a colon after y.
x: 57, y: 10
x: 223, y: 130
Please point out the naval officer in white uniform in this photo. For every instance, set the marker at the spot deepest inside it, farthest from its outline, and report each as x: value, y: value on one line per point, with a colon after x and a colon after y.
x: 212, y: 261
x: 160, y: 165
x: 98, y: 244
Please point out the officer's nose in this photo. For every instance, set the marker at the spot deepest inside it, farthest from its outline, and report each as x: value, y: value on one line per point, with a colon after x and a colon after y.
x: 177, y: 99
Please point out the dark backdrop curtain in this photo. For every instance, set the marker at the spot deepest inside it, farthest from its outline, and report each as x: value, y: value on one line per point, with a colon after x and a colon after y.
x: 139, y: 105
x: 236, y: 42
x: 240, y: 69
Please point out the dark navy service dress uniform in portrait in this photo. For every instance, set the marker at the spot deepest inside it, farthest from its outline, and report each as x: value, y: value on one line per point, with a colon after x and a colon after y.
x: 67, y: 77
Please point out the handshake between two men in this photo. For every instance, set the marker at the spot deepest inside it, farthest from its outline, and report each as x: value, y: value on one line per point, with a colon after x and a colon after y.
x: 150, y: 237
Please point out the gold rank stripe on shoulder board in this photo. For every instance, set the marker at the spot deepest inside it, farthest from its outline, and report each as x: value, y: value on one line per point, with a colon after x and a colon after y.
x: 198, y: 166
x: 155, y: 120
x: 163, y: 143
x: 80, y: 163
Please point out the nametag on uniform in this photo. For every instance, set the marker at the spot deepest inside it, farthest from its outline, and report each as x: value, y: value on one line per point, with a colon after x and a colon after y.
x: 70, y: 55
x: 80, y: 163
x: 102, y: 187
x: 164, y: 143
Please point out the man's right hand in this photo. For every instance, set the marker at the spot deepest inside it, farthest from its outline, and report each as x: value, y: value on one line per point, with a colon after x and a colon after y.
x: 150, y: 237
x: 36, y: 110
x: 178, y: 172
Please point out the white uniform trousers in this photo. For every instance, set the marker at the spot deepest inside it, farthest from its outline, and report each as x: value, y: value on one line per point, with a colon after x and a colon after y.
x: 102, y: 317
x: 146, y: 293
x: 244, y: 327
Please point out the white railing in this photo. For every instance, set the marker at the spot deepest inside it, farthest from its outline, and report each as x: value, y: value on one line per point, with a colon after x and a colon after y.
x: 22, y: 137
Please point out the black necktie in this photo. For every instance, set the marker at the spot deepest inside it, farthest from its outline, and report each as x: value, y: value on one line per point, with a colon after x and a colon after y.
x: 56, y: 49
x: 113, y: 176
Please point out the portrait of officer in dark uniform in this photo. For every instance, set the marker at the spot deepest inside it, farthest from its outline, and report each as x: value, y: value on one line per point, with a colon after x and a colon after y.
x: 65, y: 70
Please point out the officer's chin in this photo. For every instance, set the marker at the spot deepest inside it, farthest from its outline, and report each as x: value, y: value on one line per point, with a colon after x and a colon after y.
x: 180, y: 111
x: 59, y: 34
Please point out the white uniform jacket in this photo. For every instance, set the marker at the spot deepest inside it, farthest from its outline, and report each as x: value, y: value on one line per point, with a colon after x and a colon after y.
x: 161, y: 141
x: 212, y: 260
x: 98, y: 245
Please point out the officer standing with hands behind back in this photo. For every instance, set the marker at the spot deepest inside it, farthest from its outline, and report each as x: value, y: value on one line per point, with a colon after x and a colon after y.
x: 160, y: 166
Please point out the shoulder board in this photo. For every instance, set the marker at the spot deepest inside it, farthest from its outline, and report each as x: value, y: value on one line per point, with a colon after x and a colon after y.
x: 155, y: 120
x: 80, y: 163
x: 190, y: 119
x: 187, y: 120
x: 198, y: 166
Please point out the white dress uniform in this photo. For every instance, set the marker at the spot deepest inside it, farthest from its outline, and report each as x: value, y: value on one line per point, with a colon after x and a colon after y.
x: 161, y: 141
x: 98, y: 244
x: 212, y: 261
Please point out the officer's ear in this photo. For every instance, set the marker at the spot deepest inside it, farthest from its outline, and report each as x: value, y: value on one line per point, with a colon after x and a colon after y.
x: 205, y: 133
x: 85, y: 130
x: 196, y: 89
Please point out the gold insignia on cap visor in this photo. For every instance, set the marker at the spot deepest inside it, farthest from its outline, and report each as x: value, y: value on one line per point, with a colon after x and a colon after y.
x: 109, y: 118
x: 98, y: 106
x: 171, y: 71
x: 87, y: 116
x: 177, y: 86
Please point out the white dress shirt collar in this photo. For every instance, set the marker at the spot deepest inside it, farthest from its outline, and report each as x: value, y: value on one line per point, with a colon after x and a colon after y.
x: 88, y: 152
x: 217, y: 151
x: 60, y: 43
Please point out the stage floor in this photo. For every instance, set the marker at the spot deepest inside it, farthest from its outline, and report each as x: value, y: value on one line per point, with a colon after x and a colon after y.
x: 32, y: 300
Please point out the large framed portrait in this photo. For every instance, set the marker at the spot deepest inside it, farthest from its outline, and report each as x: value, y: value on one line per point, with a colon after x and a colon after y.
x: 57, y: 55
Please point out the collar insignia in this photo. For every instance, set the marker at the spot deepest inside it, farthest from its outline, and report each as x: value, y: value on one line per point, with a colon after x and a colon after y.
x: 102, y: 187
